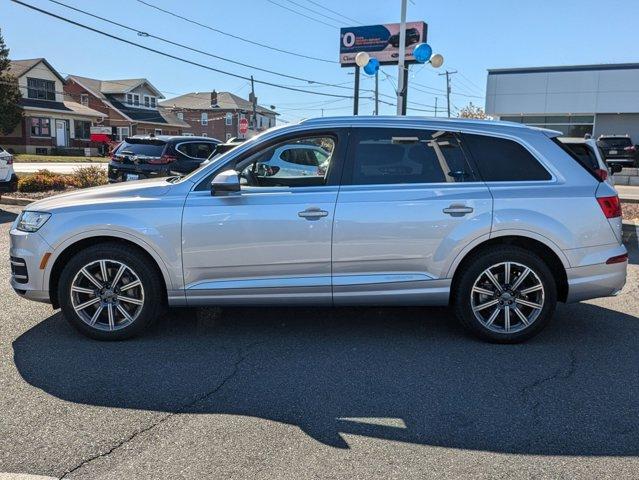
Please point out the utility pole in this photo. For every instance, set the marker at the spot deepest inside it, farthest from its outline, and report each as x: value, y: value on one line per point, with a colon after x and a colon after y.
x: 377, y: 92
x: 401, y: 74
x: 253, y: 99
x: 448, y: 74
x: 356, y: 92
x: 435, y: 106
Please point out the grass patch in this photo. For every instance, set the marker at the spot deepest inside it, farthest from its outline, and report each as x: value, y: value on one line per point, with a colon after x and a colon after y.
x: 29, y: 158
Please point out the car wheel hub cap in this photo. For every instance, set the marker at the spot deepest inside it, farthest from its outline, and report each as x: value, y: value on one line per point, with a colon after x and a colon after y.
x: 507, y: 297
x: 107, y: 295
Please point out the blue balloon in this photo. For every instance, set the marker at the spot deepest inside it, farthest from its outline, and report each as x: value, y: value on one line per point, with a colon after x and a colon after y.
x: 422, y: 52
x: 372, y: 66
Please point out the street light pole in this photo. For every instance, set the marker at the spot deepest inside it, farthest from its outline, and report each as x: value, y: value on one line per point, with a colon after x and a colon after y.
x: 356, y: 92
x: 401, y: 76
x: 377, y: 92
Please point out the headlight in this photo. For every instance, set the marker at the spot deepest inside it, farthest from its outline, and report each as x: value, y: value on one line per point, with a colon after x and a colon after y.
x: 32, y: 221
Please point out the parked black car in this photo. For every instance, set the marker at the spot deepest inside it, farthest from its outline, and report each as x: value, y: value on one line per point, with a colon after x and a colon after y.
x: 619, y: 149
x: 412, y: 36
x: 159, y: 156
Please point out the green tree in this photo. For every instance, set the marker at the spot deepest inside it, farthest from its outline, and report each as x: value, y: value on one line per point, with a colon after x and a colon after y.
x: 10, y: 111
x: 473, y: 111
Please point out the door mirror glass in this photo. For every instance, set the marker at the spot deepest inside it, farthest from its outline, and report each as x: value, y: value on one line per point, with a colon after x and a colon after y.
x: 225, y: 183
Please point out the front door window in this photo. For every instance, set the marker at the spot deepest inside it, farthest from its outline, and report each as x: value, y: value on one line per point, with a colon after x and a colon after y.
x: 61, y: 133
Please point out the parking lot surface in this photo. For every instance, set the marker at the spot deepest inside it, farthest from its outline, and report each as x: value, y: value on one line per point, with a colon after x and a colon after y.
x: 319, y: 393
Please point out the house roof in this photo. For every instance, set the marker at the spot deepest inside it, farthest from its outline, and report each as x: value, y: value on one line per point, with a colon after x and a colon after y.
x: 100, y: 88
x: 71, y: 108
x: 202, y: 101
x: 18, y: 68
x: 146, y: 115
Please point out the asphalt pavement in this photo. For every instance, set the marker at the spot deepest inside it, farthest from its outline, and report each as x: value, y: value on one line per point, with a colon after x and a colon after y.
x: 319, y: 393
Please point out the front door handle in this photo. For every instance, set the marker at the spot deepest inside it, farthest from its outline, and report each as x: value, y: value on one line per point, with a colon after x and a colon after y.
x: 457, y: 210
x: 312, y: 213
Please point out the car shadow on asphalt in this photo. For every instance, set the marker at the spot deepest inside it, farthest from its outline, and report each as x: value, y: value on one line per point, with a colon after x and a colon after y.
x: 400, y: 374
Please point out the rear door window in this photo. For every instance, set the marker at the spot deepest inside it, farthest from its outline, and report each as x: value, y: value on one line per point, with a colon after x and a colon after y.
x: 586, y: 155
x: 382, y: 156
x: 503, y: 160
x: 199, y: 150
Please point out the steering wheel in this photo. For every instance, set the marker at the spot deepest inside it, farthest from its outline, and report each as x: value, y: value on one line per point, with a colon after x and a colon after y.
x: 250, y: 177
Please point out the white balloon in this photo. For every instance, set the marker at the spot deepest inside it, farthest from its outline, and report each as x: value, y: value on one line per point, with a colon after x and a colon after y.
x: 361, y: 59
x: 437, y: 60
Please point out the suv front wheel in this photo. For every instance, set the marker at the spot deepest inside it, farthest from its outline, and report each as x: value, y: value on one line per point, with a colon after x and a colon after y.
x: 505, y: 295
x: 110, y: 292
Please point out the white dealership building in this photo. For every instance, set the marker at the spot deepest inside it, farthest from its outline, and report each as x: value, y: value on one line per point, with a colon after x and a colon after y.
x: 578, y: 99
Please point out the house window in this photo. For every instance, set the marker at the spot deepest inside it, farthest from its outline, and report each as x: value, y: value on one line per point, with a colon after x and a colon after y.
x: 229, y: 119
x: 84, y: 99
x: 40, y: 127
x: 180, y: 115
x: 204, y: 118
x: 40, y: 89
x: 147, y: 101
x: 123, y: 132
x: 158, y: 131
x: 82, y: 129
x: 133, y: 99
x: 153, y: 102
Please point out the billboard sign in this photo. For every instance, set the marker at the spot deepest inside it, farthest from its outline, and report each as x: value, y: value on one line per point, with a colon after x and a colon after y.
x: 380, y: 42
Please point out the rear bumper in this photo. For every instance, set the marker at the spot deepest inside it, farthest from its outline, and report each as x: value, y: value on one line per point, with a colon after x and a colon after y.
x: 119, y: 172
x: 594, y: 281
x: 9, y: 186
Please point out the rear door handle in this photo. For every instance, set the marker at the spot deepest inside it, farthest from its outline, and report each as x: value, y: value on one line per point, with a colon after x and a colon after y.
x: 456, y: 210
x: 312, y: 213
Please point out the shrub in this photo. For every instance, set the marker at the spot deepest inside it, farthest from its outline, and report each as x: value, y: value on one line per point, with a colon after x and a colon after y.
x: 41, y: 181
x: 91, y: 176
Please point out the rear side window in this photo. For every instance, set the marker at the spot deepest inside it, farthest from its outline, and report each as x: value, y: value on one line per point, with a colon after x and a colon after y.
x: 142, y: 149
x: 200, y: 150
x: 392, y: 156
x: 620, y: 142
x: 586, y: 155
x: 502, y: 160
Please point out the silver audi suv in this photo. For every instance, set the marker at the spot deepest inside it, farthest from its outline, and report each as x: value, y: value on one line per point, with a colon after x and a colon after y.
x: 498, y: 220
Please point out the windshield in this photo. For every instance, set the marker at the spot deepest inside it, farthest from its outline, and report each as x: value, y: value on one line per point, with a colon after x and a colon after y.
x: 616, y: 142
x: 140, y: 149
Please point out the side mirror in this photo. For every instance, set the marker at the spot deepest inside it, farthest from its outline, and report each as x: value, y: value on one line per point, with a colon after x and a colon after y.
x: 225, y: 184
x: 616, y: 168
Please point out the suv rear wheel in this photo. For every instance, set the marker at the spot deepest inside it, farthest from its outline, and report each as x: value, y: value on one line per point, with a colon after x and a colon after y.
x: 107, y: 292
x: 505, y: 295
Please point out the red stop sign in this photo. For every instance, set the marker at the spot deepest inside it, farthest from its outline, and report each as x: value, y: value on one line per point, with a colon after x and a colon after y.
x: 243, y: 125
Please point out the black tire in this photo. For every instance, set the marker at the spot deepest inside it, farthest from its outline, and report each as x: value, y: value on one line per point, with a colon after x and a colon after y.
x: 153, y: 289
x: 475, y: 266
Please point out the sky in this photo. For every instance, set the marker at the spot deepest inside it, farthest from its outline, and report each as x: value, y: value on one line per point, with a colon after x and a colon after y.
x: 472, y: 35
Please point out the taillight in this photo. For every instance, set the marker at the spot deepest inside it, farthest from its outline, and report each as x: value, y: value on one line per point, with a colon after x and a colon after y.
x: 632, y: 148
x: 164, y: 159
x: 617, y: 259
x: 601, y: 174
x: 610, y: 206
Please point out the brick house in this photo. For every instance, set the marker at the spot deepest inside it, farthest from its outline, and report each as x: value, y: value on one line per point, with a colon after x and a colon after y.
x: 217, y: 114
x: 52, y: 122
x: 129, y: 106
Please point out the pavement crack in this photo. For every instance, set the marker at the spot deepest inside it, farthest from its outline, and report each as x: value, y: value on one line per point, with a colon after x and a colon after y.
x: 242, y: 355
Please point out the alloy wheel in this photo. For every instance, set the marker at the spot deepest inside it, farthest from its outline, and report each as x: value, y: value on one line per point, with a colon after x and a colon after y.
x: 107, y: 295
x: 507, y: 297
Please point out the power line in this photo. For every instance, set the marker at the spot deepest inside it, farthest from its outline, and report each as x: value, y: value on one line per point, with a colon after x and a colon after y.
x: 309, y: 9
x: 187, y: 47
x: 237, y: 37
x: 302, y: 14
x: 333, y: 11
x: 174, y: 57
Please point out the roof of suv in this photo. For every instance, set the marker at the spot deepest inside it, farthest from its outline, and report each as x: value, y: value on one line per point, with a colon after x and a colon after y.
x: 173, y: 138
x: 488, y: 125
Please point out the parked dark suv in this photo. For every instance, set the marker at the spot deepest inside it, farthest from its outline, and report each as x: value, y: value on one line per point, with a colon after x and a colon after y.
x: 619, y: 149
x: 159, y: 156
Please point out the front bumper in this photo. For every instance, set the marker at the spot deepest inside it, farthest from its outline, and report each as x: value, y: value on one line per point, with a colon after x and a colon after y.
x: 28, y: 249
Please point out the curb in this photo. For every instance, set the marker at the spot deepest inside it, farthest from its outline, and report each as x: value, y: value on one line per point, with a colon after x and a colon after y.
x: 15, y: 201
x: 629, y: 200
